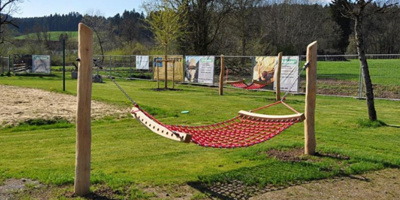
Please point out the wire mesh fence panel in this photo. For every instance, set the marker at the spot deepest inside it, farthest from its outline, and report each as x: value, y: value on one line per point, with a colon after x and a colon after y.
x: 385, y: 76
x: 4, y: 63
x: 341, y: 75
x: 239, y: 68
x: 120, y: 66
x: 335, y: 76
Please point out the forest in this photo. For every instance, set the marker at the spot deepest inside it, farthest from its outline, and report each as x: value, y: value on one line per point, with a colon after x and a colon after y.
x: 230, y: 27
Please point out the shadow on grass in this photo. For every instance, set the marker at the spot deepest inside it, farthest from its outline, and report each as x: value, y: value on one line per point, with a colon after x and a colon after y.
x: 96, y: 196
x: 92, y: 195
x: 282, y: 169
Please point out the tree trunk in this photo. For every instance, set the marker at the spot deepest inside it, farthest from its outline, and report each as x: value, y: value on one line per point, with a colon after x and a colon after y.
x: 364, y: 65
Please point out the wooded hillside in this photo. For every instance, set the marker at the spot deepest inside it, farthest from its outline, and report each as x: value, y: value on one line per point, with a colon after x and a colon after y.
x: 251, y: 27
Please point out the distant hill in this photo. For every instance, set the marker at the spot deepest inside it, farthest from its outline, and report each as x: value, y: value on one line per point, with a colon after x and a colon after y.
x: 54, y: 35
x: 54, y: 22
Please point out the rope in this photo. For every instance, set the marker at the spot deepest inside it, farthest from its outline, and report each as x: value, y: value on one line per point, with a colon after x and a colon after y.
x: 294, y: 82
x: 123, y: 91
x: 291, y: 108
x: 266, y: 106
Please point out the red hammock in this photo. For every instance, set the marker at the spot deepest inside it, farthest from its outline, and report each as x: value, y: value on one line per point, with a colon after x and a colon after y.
x: 255, y: 85
x: 244, y: 130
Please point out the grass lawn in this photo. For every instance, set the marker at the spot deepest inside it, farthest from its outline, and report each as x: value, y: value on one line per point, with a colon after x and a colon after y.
x: 382, y: 71
x: 125, y: 153
x: 54, y: 35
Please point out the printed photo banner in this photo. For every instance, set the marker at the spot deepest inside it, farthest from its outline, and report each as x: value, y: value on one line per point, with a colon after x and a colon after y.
x: 142, y: 62
x: 264, y: 69
x: 41, y: 64
x: 199, y: 69
x: 289, y: 74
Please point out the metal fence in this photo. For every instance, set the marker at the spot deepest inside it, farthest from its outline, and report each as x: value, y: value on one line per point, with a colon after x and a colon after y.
x: 341, y: 75
x: 120, y: 66
x: 338, y: 75
x: 4, y: 65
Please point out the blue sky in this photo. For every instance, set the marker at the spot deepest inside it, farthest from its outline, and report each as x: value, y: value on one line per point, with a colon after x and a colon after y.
x: 107, y: 8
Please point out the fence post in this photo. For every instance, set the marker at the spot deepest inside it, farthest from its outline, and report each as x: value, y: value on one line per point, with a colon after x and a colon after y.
x: 311, y: 91
x: 221, y: 76
x: 9, y: 66
x: 130, y: 66
x: 83, y: 129
x: 63, y: 44
x: 173, y: 74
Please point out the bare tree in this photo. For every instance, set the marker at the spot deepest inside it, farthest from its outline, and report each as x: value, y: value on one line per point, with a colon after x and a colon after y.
x: 204, y: 21
x: 245, y: 21
x: 6, y: 9
x: 357, y: 11
x: 99, y: 26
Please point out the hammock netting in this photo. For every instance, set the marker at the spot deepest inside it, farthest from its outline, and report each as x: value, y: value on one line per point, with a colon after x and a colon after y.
x: 240, y: 131
x: 243, y: 85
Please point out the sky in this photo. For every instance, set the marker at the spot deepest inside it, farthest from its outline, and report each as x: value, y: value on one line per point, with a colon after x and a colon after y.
x: 107, y: 8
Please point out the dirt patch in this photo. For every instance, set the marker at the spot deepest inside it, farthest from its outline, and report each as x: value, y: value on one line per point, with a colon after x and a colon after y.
x: 382, y: 184
x: 351, y: 88
x: 10, y: 187
x: 19, y: 104
x: 297, y: 155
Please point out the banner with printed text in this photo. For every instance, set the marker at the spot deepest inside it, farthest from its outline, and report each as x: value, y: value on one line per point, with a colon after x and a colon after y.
x: 199, y: 69
x: 289, y: 74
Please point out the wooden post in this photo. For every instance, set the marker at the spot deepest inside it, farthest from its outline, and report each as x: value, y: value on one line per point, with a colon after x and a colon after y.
x: 221, y: 76
x: 311, y: 91
x: 158, y: 74
x: 166, y: 72
x: 173, y: 74
x: 278, y: 77
x: 83, y: 130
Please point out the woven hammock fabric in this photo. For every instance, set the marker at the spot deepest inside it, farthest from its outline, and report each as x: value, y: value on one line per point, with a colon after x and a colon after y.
x: 240, y: 131
x: 243, y: 85
x: 255, y: 86
x: 240, y: 85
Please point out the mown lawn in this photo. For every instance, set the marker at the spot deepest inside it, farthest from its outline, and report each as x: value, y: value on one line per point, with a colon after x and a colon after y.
x: 125, y: 152
x: 382, y: 71
x: 54, y: 35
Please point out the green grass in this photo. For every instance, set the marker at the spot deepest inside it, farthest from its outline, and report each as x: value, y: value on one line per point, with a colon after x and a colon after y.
x: 125, y: 152
x: 54, y: 35
x: 382, y: 71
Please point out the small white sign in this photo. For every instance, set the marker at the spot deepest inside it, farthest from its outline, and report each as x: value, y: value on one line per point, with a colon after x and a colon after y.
x: 142, y: 62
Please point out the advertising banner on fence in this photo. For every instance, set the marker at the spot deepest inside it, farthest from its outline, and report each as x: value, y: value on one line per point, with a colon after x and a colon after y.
x: 199, y: 69
x: 289, y: 73
x: 174, y: 69
x: 142, y: 62
x: 41, y: 64
x: 264, y: 69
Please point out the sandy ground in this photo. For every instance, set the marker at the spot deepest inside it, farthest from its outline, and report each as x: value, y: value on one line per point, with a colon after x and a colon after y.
x: 18, y: 104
